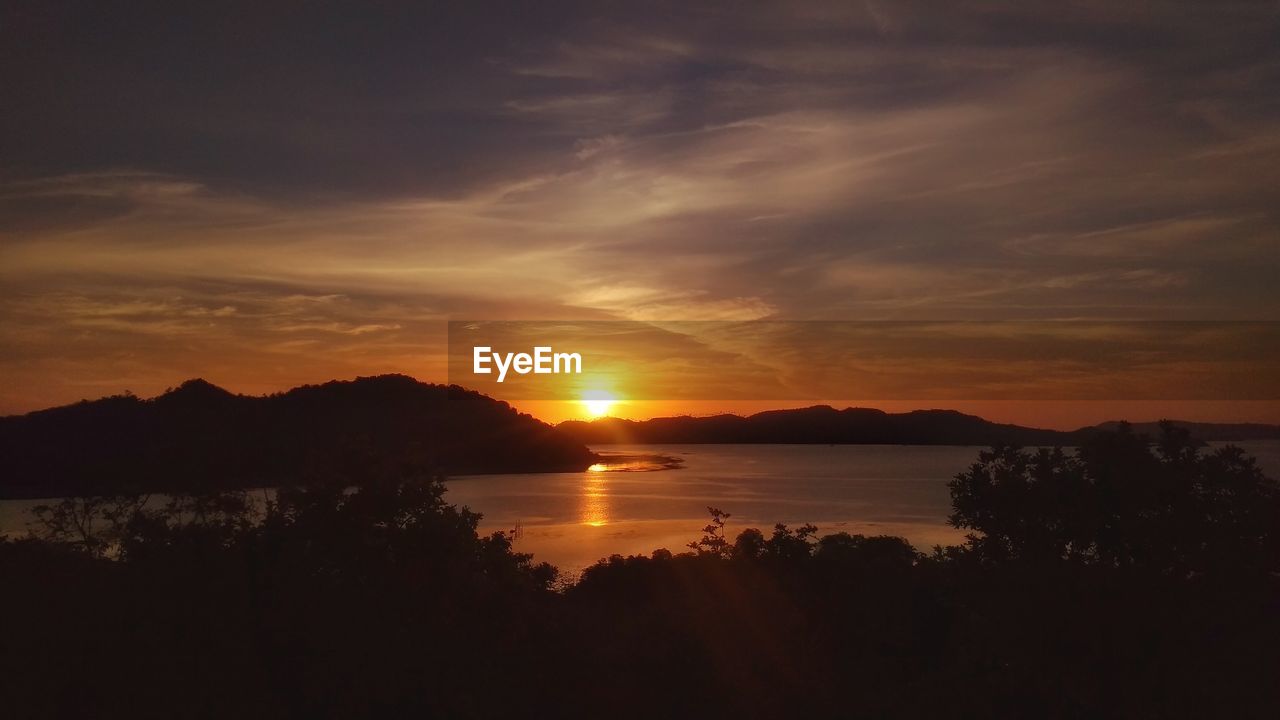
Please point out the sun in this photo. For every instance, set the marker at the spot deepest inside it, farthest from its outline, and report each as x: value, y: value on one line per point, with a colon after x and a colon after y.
x: 597, y: 402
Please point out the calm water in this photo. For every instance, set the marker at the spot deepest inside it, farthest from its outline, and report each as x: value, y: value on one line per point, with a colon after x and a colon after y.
x: 573, y: 519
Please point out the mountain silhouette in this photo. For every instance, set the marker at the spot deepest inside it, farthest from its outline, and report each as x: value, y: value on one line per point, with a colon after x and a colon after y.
x: 1209, y: 432
x: 201, y: 437
x: 822, y: 424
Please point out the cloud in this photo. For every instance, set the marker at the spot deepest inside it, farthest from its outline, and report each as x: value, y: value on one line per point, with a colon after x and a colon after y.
x: 262, y: 195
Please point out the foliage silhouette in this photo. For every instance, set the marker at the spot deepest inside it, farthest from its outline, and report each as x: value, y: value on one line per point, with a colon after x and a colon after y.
x: 1117, y: 503
x: 1130, y: 579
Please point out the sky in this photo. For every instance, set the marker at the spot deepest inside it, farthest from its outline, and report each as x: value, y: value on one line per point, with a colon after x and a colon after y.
x: 270, y: 194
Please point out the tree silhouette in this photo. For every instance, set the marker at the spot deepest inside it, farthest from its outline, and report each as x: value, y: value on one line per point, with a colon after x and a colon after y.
x: 713, y: 542
x: 1126, y: 579
x: 1122, y: 501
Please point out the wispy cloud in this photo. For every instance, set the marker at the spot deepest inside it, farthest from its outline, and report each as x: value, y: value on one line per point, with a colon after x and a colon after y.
x: 859, y: 160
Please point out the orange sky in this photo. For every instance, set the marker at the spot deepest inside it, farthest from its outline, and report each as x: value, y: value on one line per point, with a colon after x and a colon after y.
x: 264, y: 210
x: 1052, y: 415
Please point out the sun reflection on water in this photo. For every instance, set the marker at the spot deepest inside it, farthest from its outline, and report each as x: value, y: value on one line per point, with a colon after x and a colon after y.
x: 594, y: 506
x: 594, y: 503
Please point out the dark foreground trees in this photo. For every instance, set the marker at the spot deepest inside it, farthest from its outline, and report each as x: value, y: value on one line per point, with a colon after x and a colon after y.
x: 1122, y: 503
x: 1122, y: 581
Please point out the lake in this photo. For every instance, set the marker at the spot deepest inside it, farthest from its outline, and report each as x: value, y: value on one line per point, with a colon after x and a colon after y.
x: 634, y: 503
x: 574, y: 519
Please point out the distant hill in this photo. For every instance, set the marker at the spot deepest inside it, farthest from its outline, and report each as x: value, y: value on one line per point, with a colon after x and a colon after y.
x: 199, y: 436
x: 822, y: 424
x: 1208, y: 432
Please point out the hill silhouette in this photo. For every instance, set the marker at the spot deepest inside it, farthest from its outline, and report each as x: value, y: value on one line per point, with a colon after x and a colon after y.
x: 823, y: 424
x: 201, y: 437
x: 1209, y: 432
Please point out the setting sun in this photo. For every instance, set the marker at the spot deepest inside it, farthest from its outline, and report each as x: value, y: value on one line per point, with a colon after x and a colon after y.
x: 597, y: 403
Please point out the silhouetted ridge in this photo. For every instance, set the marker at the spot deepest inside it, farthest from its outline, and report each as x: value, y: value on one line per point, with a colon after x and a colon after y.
x: 196, y: 389
x: 820, y: 424
x: 1209, y: 432
x: 823, y: 424
x: 199, y: 436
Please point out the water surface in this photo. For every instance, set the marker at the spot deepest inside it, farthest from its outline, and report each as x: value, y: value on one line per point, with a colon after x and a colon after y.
x: 574, y: 519
x: 639, y: 499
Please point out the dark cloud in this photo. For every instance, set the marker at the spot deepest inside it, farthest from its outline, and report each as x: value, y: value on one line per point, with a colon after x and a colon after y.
x: 639, y: 160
